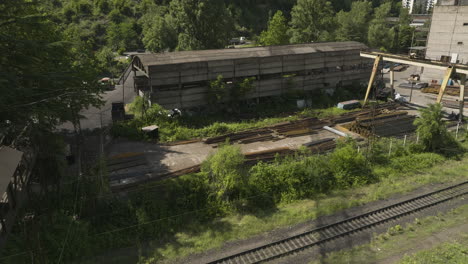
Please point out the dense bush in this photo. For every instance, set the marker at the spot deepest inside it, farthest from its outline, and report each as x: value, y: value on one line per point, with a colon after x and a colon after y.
x: 349, y: 166
x: 292, y: 178
x: 414, y: 162
x: 433, y: 131
x: 225, y: 172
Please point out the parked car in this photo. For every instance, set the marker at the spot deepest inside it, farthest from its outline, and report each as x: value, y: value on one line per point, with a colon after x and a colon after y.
x: 107, y: 83
x: 400, y: 68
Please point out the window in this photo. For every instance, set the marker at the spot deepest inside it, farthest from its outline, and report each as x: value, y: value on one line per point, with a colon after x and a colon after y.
x: 445, y: 58
x: 460, y: 43
x: 465, y: 24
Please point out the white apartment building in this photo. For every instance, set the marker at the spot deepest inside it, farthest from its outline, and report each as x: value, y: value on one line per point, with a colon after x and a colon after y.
x: 413, y: 4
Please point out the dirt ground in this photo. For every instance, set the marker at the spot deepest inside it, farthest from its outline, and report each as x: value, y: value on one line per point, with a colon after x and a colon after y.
x: 449, y: 235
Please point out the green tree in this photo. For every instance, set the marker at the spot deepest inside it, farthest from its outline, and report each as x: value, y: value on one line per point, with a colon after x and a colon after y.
x: 225, y: 173
x: 405, y: 32
x: 432, y: 130
x: 277, y: 32
x: 122, y: 37
x: 353, y: 25
x: 311, y: 20
x: 159, y: 31
x: 45, y: 79
x: 202, y: 24
x: 217, y: 90
x: 380, y: 35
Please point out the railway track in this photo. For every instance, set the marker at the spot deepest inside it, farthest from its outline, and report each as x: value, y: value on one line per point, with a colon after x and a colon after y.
x: 343, y: 228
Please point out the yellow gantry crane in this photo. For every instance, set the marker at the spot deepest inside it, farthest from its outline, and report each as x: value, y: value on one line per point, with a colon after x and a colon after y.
x: 462, y: 70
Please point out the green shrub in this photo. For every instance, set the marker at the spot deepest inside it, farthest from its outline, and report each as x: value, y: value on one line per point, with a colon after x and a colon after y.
x: 433, y: 132
x: 348, y: 166
x: 225, y: 173
x: 414, y: 162
x: 292, y: 178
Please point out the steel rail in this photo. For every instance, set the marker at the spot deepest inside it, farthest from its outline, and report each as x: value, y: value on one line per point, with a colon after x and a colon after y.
x: 345, y: 227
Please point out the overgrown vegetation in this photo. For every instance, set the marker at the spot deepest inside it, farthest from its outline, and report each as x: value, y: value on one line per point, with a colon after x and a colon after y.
x: 433, y: 132
x: 224, y: 188
x: 221, y: 117
x: 443, y: 254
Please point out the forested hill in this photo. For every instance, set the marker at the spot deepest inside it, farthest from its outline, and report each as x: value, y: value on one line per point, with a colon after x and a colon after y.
x: 160, y: 25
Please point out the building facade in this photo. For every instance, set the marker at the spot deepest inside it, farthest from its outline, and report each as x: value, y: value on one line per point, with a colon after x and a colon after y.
x: 448, y: 36
x: 181, y: 79
x: 419, y: 6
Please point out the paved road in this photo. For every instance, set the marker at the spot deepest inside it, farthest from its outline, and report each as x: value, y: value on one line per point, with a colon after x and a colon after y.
x: 92, y: 115
x: 418, y: 99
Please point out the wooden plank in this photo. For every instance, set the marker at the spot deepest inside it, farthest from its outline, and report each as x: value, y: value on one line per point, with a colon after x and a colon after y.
x: 194, y: 97
x: 165, y: 81
x: 221, y: 63
x: 229, y: 68
x: 247, y: 73
x: 191, y: 91
x: 271, y: 71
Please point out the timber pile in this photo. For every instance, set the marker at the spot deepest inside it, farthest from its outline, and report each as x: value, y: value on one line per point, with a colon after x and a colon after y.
x: 450, y: 90
x: 365, y: 112
x: 316, y: 147
x: 384, y: 125
x: 238, y: 136
x: 300, y: 127
x: 286, y: 129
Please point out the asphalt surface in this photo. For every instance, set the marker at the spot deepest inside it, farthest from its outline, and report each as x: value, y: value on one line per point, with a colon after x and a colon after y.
x: 416, y: 98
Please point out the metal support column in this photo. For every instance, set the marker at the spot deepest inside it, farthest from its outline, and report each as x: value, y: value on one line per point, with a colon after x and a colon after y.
x: 462, y: 95
x: 372, y: 78
x: 392, y: 81
x: 448, y: 74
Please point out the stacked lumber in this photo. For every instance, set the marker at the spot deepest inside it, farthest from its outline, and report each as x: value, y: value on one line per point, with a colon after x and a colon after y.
x: 367, y: 111
x: 286, y: 129
x: 299, y: 128
x: 316, y: 147
x: 450, y: 90
x: 238, y: 136
x: 267, y: 155
x: 384, y: 125
x: 322, y: 146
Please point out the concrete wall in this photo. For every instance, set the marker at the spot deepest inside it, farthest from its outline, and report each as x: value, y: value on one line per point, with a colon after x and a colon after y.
x: 448, y: 36
x: 449, y: 33
x: 186, y: 85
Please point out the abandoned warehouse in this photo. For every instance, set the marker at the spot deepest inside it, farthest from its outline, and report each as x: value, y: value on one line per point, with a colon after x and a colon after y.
x: 182, y: 79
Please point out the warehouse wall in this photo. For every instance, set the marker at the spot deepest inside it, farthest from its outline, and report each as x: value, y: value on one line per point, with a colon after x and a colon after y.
x: 448, y: 36
x: 185, y: 85
x: 449, y: 33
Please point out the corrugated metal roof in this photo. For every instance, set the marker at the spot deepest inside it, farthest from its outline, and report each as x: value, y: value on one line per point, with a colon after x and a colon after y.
x: 255, y: 52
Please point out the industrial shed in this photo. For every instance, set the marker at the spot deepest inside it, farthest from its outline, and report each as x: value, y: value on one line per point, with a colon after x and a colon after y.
x: 181, y: 79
